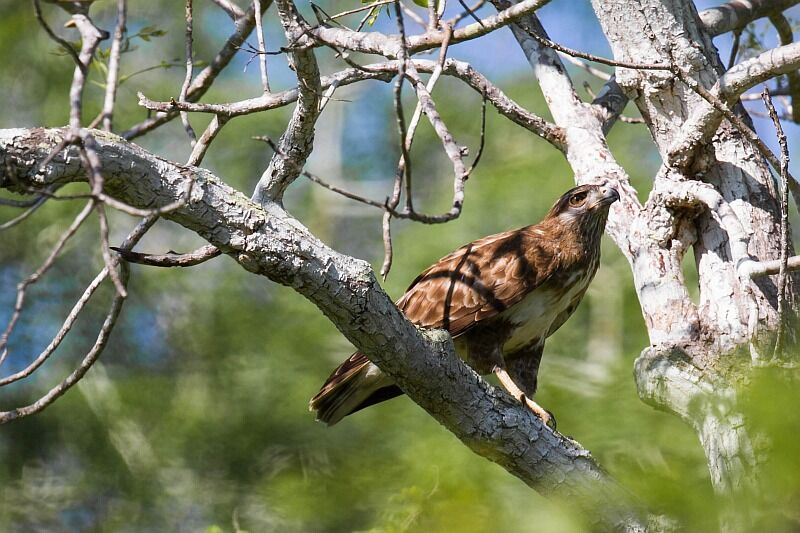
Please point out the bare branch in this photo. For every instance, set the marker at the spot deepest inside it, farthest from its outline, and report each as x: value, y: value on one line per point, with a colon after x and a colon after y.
x: 37, y: 8
x: 383, y: 72
x: 99, y: 344
x: 262, y: 48
x: 22, y: 287
x: 785, y: 244
x: 433, y: 16
x: 544, y: 41
x: 297, y: 141
x: 454, y: 152
x: 187, y: 80
x: 360, y: 9
x: 737, y: 14
x: 389, y: 45
x: 233, y: 11
x: 469, y: 11
x: 170, y: 259
x: 112, y: 79
x: 37, y: 203
x: 404, y: 167
x: 682, y: 154
x: 90, y: 39
x: 753, y: 71
x: 62, y: 333
x: 205, y: 140
x: 770, y: 268
x: 786, y: 34
x: 203, y: 81
x: 87, y: 362
x: 605, y: 76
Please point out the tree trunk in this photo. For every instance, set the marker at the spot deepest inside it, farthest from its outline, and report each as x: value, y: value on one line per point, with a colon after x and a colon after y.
x: 693, y: 368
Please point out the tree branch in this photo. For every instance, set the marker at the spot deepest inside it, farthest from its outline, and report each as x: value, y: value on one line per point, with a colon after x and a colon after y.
x: 383, y: 72
x: 203, y: 81
x: 389, y: 45
x: 737, y: 14
x: 297, y: 141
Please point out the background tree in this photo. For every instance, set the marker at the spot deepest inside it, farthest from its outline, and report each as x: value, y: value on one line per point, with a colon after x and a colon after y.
x: 714, y: 194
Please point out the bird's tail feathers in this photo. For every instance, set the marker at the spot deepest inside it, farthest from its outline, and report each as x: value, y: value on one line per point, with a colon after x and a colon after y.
x: 355, y: 384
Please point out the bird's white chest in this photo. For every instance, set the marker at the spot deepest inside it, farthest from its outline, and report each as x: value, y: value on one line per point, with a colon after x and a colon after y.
x: 535, y: 314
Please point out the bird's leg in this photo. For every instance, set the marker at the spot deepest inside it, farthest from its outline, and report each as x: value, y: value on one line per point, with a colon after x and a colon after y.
x: 516, y: 392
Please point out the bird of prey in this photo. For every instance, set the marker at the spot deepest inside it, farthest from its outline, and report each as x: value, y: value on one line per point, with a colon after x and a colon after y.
x: 499, y: 297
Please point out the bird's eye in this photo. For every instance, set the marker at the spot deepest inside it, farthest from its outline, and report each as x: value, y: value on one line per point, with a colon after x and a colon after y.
x: 577, y: 199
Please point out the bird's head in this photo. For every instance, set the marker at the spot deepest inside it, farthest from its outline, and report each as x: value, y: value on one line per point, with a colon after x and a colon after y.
x: 585, y: 206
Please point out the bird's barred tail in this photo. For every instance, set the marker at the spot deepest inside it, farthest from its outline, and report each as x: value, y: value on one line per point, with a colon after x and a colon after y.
x: 354, y: 385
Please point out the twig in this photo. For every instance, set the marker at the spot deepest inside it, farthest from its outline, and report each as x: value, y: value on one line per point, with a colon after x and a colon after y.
x: 605, y: 76
x: 91, y: 36
x: 91, y: 162
x: 404, y: 168
x: 113, y: 65
x: 410, y: 13
x: 63, y: 331
x: 591, y: 57
x: 37, y: 9
x: 740, y: 125
x: 233, y: 11
x: 262, y: 56
x: 775, y: 91
x: 454, y: 152
x: 171, y: 259
x: 326, y: 97
x: 187, y: 80
x: 203, y: 81
x: 482, y: 143
x: 784, y: 29
x: 25, y: 214
x: 468, y: 11
x: 360, y: 9
x: 388, y: 45
x: 298, y: 138
x: 737, y: 34
x: 10, y: 202
x: 100, y: 342
x: 770, y: 268
x: 784, y: 171
x: 205, y: 140
x: 22, y: 287
x: 78, y: 373
x: 433, y: 16
x: 412, y: 125
x: 385, y: 72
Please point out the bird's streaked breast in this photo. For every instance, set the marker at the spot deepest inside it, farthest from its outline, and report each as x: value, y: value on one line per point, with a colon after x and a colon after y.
x: 534, y: 315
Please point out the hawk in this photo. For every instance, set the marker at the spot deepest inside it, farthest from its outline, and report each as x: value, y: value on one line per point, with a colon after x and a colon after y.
x: 499, y: 297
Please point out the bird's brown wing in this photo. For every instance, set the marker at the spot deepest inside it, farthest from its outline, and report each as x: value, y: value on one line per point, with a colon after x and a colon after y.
x: 477, y: 282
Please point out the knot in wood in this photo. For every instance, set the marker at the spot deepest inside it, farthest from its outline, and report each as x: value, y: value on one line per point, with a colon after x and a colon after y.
x: 248, y: 262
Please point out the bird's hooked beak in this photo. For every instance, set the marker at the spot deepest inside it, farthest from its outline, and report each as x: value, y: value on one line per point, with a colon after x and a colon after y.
x: 610, y: 195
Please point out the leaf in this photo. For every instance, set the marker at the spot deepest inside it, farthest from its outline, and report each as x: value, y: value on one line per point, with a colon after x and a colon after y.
x: 424, y: 3
x: 374, y: 13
